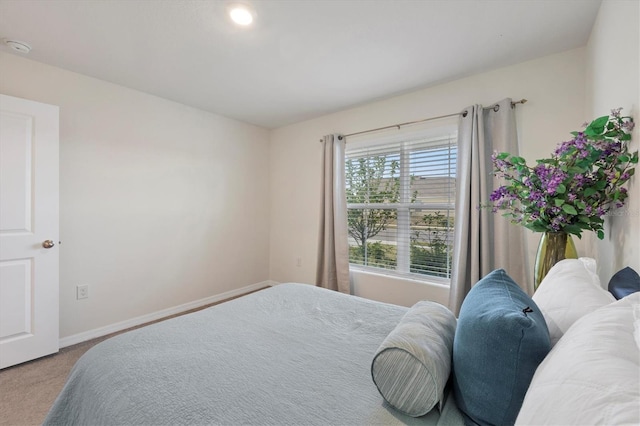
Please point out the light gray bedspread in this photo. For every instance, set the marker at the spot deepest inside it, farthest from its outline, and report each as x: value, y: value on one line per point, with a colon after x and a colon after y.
x: 292, y: 354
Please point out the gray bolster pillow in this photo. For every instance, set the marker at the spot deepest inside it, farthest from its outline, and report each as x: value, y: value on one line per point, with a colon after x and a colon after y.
x: 412, y: 365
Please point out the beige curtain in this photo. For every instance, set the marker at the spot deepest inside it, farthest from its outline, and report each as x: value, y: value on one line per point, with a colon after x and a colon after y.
x: 483, y: 241
x: 333, y: 247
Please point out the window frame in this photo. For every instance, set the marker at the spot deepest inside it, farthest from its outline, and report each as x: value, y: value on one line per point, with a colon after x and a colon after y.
x: 408, y: 142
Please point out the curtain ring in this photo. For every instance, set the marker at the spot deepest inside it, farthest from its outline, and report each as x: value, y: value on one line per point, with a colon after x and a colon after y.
x: 496, y: 108
x: 464, y: 114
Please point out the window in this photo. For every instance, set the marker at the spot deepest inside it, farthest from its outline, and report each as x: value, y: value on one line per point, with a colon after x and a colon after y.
x: 400, y: 204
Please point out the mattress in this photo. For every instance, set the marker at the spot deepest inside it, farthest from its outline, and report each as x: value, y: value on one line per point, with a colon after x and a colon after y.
x: 292, y: 354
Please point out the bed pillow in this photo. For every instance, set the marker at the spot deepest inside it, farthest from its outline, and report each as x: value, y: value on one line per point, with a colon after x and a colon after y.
x: 636, y: 323
x: 591, y: 375
x: 570, y: 290
x: 412, y: 365
x: 624, y: 282
x: 500, y: 340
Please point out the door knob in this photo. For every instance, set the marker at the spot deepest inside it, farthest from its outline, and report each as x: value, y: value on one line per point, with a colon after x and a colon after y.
x: 48, y: 244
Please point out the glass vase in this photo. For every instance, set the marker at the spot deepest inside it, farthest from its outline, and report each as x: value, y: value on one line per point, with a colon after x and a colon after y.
x: 553, y: 247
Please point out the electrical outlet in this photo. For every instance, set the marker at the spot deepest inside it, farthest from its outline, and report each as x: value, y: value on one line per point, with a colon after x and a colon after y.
x: 82, y: 292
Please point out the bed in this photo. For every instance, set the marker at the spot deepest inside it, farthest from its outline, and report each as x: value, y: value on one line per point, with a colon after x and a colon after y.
x: 295, y: 354
x: 290, y: 354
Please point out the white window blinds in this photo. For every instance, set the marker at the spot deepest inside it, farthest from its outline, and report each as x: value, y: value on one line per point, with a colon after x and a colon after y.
x: 400, y: 205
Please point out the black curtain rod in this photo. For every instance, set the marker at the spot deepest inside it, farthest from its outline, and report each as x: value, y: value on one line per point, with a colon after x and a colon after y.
x: 495, y: 107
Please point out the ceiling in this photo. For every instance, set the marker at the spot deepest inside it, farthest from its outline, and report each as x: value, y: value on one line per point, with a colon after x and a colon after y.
x: 301, y: 58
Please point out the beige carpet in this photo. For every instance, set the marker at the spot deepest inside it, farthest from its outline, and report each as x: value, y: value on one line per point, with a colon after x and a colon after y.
x: 28, y: 390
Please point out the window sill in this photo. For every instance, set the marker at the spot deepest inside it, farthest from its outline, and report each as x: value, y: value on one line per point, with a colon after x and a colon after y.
x: 428, y: 279
x: 397, y: 289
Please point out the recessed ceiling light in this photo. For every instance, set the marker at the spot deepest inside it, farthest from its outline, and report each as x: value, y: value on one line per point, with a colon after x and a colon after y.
x: 240, y: 14
x: 18, y: 46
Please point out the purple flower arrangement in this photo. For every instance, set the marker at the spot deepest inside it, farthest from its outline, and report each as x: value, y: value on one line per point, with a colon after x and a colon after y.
x: 576, y: 187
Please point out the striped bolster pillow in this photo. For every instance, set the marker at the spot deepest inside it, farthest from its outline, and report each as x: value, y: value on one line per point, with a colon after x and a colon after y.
x: 412, y: 365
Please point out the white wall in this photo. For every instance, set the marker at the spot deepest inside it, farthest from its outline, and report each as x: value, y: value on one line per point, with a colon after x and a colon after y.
x: 163, y: 204
x: 554, y: 86
x: 160, y: 204
x: 613, y: 80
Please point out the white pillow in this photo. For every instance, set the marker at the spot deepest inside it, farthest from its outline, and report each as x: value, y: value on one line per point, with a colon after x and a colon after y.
x: 591, y: 375
x: 636, y: 323
x: 570, y: 290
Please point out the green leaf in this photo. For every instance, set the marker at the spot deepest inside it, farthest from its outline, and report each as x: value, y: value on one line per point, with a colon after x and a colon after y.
x: 561, y: 189
x: 558, y: 202
x: 569, y: 209
x: 601, y: 234
x: 599, y: 122
x: 537, y: 227
x: 594, y: 155
x: 572, y: 229
x: 518, y: 160
x: 588, y: 192
x: 623, y: 158
x: 594, y: 131
x: 574, y: 170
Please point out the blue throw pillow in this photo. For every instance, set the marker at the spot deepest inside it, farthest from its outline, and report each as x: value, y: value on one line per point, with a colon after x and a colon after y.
x: 624, y: 282
x: 500, y: 339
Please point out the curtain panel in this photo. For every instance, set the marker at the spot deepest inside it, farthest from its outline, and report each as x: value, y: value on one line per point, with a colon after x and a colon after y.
x: 333, y: 247
x: 483, y: 241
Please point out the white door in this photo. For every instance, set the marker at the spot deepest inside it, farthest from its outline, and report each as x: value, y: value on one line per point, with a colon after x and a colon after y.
x: 28, y: 225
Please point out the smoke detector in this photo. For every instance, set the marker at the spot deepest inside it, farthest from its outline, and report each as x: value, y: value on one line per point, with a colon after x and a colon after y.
x: 18, y: 46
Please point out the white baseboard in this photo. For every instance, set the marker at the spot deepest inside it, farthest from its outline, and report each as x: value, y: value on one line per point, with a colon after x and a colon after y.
x: 123, y: 325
